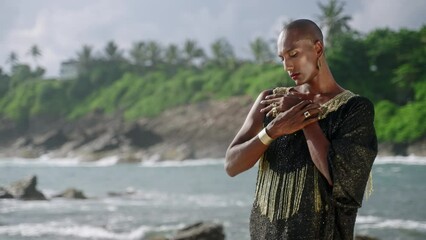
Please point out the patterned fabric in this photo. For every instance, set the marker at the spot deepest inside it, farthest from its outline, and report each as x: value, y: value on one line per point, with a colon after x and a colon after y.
x: 293, y: 200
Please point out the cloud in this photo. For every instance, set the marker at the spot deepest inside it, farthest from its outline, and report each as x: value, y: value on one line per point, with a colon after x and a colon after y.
x: 393, y: 14
x: 60, y: 28
x: 59, y: 32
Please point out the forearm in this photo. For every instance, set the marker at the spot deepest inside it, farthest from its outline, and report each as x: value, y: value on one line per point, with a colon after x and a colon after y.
x: 318, y: 146
x: 241, y: 157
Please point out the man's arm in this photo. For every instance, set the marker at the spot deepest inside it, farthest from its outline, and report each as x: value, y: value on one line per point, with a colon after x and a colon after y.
x: 246, y: 148
x: 318, y: 146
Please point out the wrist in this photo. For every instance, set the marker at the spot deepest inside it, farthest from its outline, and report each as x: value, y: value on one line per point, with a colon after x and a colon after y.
x: 264, y: 137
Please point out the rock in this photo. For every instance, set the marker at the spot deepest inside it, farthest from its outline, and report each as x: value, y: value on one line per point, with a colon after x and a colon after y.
x: 71, y: 193
x: 141, y: 137
x: 201, y: 231
x: 157, y: 238
x: 23, y: 142
x: 360, y: 237
x: 4, y: 193
x: 106, y: 142
x: 51, y: 140
x: 128, y: 191
x: 418, y: 148
x: 25, y: 189
x: 392, y: 149
x: 180, y: 152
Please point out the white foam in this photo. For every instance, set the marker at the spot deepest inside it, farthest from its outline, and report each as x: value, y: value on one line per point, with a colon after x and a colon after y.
x: 409, y: 160
x: 75, y: 230
x: 47, y: 160
x: 184, y: 163
x: 373, y: 222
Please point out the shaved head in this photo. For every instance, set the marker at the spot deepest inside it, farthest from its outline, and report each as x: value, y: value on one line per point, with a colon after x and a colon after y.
x: 304, y: 29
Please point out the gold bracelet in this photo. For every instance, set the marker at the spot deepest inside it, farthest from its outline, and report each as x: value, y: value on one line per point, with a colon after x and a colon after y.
x: 264, y: 137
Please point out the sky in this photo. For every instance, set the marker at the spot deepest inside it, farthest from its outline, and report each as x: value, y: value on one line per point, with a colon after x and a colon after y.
x: 60, y: 28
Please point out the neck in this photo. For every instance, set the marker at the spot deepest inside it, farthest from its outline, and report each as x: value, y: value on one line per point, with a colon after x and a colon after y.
x: 322, y: 84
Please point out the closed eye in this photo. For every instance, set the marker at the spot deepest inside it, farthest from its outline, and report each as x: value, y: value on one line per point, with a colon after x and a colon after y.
x: 293, y: 54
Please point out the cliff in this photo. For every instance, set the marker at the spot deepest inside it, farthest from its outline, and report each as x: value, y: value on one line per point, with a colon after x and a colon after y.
x: 201, y: 130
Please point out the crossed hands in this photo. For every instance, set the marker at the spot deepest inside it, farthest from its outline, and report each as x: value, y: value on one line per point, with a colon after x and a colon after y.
x: 291, y: 112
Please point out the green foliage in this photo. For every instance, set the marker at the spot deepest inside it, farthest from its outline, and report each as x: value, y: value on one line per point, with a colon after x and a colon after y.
x: 32, y: 98
x: 404, y: 124
x: 384, y: 65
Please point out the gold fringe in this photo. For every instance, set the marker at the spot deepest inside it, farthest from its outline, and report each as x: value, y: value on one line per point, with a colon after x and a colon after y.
x: 317, y: 194
x: 289, y: 197
x: 369, y: 188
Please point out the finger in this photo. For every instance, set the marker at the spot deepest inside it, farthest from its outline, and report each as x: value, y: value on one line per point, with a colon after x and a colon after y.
x: 301, y: 105
x: 312, y: 106
x: 268, y: 102
x: 266, y: 109
x: 276, y: 95
x: 299, y: 95
x: 270, y: 113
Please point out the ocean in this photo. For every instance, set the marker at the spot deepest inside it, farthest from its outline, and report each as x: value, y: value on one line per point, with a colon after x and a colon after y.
x: 163, y: 197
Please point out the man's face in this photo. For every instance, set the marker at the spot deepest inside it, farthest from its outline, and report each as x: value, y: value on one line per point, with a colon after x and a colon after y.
x: 298, y: 56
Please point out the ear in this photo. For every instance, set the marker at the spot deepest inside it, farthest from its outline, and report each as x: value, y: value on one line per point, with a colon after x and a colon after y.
x: 319, y: 48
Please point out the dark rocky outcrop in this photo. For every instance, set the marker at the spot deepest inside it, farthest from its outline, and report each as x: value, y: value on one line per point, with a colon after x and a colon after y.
x: 25, y: 189
x: 201, y: 231
x: 201, y: 130
x: 71, y: 193
x: 141, y: 137
x: 4, y: 193
x: 51, y: 140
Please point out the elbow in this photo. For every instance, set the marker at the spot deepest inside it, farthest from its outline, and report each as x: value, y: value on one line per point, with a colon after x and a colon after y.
x: 229, y: 169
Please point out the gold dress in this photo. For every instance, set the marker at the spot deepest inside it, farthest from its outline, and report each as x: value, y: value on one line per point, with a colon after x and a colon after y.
x: 293, y: 200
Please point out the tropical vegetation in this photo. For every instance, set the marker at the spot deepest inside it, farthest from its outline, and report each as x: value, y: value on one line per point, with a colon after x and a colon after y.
x: 387, y: 66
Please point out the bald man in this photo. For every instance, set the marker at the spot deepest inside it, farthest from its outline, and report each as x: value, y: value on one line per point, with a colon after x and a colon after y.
x: 315, y: 143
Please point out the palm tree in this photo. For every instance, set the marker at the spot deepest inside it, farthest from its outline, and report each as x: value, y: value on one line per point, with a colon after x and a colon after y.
x: 333, y: 20
x: 261, y: 50
x: 172, y: 55
x: 138, y: 53
x: 111, y: 51
x: 12, y: 59
x: 192, y: 52
x: 223, y: 53
x: 35, y: 53
x: 154, y: 53
x: 84, y: 59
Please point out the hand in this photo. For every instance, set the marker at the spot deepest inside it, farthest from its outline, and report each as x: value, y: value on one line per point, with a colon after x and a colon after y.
x: 281, y: 103
x: 294, y: 119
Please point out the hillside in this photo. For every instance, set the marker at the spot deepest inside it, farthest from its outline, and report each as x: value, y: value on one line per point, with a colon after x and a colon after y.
x: 201, y: 130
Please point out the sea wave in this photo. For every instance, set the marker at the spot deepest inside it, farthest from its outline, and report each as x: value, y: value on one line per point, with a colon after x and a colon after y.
x: 66, y: 229
x: 403, y: 160
x: 374, y: 222
x: 184, y: 163
x: 47, y: 160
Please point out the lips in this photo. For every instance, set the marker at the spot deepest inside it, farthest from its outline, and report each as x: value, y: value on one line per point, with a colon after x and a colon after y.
x: 294, y: 75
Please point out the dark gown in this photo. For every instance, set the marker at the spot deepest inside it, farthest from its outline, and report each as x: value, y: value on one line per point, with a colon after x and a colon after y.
x: 293, y: 200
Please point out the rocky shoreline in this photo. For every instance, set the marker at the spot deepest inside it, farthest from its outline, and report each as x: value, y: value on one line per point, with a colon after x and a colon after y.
x: 26, y: 190
x: 201, y: 130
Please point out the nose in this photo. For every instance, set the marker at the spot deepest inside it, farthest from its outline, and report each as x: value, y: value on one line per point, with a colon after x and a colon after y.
x: 288, y: 66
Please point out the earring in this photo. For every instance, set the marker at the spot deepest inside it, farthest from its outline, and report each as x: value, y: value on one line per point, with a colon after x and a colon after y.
x: 318, y: 63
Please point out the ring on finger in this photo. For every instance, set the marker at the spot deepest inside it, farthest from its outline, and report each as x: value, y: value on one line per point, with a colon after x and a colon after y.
x: 306, y: 114
x: 274, y: 111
